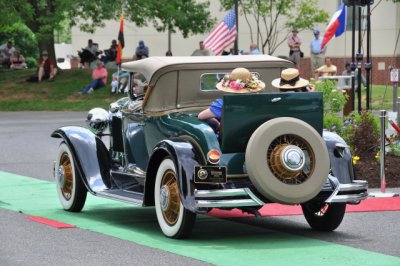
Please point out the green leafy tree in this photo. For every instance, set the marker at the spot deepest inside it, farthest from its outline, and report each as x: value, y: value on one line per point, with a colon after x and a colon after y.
x: 44, y: 17
x: 268, y: 19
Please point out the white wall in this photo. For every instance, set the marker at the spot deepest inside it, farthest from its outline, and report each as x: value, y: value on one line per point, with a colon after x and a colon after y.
x: 385, y: 23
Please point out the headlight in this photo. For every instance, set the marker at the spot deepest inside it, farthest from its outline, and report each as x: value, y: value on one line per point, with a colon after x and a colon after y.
x: 97, y: 120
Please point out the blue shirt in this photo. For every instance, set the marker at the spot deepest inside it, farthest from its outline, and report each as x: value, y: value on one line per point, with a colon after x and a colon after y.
x: 216, y: 108
x: 316, y: 45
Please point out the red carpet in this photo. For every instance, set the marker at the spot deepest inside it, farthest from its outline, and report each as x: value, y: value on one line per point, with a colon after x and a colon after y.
x: 275, y: 209
x: 46, y: 221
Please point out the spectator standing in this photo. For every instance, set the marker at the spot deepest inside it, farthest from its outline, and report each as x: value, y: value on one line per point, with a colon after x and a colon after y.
x: 17, y: 61
x: 47, y: 69
x: 294, y: 43
x: 7, y: 51
x: 99, y: 79
x: 317, y: 54
x: 254, y: 49
x: 142, y: 51
x: 202, y: 51
x: 326, y: 70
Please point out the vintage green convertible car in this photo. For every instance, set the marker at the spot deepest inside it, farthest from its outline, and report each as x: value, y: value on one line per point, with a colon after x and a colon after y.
x: 151, y: 149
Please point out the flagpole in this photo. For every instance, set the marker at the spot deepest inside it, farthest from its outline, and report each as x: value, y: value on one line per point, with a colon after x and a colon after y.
x: 236, y: 46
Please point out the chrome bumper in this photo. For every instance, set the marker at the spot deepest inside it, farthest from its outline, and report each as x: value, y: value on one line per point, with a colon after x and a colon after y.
x: 221, y: 198
x: 358, y: 189
x: 244, y: 197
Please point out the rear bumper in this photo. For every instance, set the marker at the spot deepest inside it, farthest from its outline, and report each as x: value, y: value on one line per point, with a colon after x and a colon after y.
x: 351, y: 193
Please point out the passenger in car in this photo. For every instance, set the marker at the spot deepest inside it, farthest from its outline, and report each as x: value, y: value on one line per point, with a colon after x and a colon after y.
x: 290, y: 81
x: 240, y: 80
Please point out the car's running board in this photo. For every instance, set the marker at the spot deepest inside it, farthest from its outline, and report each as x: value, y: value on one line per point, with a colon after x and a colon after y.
x: 122, y: 195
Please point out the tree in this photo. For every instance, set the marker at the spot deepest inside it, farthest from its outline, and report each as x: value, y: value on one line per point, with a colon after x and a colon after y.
x: 43, y: 17
x: 274, y: 19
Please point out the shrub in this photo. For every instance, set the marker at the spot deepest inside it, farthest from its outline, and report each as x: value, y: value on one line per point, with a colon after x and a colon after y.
x: 361, y: 132
x: 31, y: 62
x: 334, y: 100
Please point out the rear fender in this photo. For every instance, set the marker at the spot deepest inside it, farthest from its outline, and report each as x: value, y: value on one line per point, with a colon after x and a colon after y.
x: 90, y: 156
x: 340, y: 157
x: 185, y: 157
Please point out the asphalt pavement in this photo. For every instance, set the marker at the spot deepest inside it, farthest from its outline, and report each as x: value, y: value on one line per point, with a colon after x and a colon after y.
x: 27, y: 149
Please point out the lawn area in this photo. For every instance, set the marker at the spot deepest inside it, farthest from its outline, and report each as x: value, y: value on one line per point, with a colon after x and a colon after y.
x: 61, y: 94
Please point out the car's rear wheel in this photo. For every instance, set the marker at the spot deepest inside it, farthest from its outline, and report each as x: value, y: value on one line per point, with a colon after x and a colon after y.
x: 287, y: 160
x: 324, y: 217
x: 175, y: 221
x: 70, y: 188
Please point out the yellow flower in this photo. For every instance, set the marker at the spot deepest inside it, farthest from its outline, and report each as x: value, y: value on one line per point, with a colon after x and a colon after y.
x: 355, y: 159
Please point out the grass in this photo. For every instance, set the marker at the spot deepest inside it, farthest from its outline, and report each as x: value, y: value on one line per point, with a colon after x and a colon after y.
x: 61, y: 94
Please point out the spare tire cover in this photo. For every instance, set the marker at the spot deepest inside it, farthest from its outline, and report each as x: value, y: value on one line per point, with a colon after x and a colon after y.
x: 267, y: 181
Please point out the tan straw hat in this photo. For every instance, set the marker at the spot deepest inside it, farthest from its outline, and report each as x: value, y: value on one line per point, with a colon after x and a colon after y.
x: 290, y: 79
x: 240, y: 80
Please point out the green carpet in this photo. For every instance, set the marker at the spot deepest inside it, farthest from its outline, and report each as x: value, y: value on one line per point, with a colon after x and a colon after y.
x: 216, y: 241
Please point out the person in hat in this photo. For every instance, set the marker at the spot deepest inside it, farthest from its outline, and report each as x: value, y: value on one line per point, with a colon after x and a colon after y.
x: 240, y: 80
x: 294, y: 43
x: 316, y: 52
x: 47, y: 67
x: 99, y: 79
x: 290, y: 81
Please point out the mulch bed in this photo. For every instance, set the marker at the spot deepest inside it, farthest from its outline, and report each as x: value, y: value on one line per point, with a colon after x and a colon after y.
x: 368, y: 168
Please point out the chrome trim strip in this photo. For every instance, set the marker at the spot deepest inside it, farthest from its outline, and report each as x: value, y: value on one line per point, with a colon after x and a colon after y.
x: 118, y: 197
x: 215, y: 202
x: 226, y: 203
x: 349, y: 198
x: 220, y: 193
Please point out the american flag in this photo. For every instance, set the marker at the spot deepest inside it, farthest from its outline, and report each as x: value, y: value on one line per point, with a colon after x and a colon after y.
x: 223, y: 35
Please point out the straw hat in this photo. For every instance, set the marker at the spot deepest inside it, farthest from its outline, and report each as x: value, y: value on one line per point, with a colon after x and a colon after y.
x: 241, y: 80
x: 290, y: 79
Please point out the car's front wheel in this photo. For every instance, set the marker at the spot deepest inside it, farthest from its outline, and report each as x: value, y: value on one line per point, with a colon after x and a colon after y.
x: 322, y: 216
x: 70, y: 188
x: 175, y: 221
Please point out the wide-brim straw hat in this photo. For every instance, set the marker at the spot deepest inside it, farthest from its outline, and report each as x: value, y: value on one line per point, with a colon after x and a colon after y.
x: 290, y: 79
x: 244, y: 76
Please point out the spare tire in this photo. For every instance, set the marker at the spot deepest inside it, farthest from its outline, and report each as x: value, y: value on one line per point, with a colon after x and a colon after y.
x: 287, y: 160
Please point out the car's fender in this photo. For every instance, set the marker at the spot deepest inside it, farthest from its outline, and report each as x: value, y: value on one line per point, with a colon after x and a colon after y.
x: 90, y: 154
x: 340, y: 157
x: 185, y: 156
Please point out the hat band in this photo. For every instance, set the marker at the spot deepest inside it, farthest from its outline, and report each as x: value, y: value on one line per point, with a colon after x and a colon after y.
x: 291, y: 82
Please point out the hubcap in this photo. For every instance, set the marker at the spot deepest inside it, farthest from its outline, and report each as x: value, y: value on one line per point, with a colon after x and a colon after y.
x: 293, y: 159
x: 164, y: 198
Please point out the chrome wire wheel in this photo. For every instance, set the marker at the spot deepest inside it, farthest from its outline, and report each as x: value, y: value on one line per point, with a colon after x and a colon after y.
x: 70, y: 188
x: 169, y: 197
x: 291, y: 159
x: 65, y: 176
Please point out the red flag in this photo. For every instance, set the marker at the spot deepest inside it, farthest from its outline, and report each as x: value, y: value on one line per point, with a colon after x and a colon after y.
x: 223, y: 35
x: 121, y: 41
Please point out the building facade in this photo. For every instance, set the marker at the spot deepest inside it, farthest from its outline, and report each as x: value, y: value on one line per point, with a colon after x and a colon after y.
x: 385, y: 46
